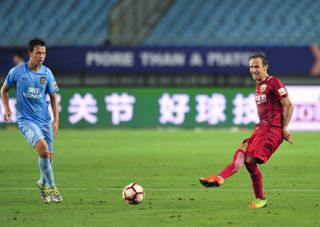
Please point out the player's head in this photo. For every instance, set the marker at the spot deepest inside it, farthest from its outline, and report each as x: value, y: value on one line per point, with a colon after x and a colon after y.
x: 258, y: 65
x: 18, y: 58
x: 37, y: 51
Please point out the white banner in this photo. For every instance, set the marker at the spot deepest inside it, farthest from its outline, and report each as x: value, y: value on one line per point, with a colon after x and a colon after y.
x: 306, y: 101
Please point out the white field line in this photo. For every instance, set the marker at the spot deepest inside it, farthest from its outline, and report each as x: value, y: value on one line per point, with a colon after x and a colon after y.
x: 164, y: 189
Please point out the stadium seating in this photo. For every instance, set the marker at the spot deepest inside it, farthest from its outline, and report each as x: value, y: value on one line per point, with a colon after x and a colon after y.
x: 186, y: 22
x: 233, y: 22
x: 59, y: 22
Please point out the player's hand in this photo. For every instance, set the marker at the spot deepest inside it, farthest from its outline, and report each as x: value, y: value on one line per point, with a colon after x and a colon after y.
x: 287, y: 136
x: 55, y: 126
x: 7, y: 115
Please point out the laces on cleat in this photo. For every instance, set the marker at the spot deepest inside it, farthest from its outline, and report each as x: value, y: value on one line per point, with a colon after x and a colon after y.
x: 55, y: 195
x: 44, y: 192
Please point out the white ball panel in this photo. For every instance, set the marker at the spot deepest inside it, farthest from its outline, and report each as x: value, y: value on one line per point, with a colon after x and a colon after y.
x: 129, y: 193
x: 138, y: 188
x: 139, y: 198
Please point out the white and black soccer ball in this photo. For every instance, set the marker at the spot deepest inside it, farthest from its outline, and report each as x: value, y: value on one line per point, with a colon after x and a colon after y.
x: 133, y: 193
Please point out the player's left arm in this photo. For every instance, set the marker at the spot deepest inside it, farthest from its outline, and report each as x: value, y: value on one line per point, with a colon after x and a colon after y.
x: 55, y: 110
x: 52, y: 89
x: 288, y: 110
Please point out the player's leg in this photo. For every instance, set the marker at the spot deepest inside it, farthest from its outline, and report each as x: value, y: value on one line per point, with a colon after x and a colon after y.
x: 48, y: 137
x: 44, y: 162
x: 47, y: 179
x: 43, y: 187
x: 47, y: 131
x: 229, y: 170
x: 256, y: 178
x: 47, y: 170
x: 33, y: 134
x: 260, y: 150
x: 42, y: 181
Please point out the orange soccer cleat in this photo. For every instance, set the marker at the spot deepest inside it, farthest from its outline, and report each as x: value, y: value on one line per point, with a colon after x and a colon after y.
x: 212, y: 181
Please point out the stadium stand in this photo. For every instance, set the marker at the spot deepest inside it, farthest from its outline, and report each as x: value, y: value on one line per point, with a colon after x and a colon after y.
x: 179, y: 22
x: 162, y: 22
x: 217, y: 22
x: 59, y: 22
x: 130, y: 21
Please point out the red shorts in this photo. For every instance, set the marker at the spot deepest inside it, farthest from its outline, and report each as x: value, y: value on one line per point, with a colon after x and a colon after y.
x: 263, y: 142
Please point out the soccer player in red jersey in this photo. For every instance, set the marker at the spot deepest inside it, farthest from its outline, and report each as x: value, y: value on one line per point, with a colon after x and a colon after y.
x: 274, y: 110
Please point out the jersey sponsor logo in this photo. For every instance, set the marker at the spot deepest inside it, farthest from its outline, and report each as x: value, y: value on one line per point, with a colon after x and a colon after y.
x: 43, y: 80
x: 261, y: 99
x: 263, y: 87
x: 282, y: 91
x: 32, y: 93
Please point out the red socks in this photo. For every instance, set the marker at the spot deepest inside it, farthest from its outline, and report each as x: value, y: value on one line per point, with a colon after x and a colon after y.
x: 256, y: 178
x: 235, y: 166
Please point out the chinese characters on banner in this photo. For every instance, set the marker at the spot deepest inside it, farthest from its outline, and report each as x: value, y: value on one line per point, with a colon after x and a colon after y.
x: 83, y: 108
x: 187, y: 108
x: 173, y: 109
x: 245, y: 110
x: 211, y: 109
x: 120, y: 106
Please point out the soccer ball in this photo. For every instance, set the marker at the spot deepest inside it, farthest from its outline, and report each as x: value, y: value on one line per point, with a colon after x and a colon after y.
x: 133, y: 194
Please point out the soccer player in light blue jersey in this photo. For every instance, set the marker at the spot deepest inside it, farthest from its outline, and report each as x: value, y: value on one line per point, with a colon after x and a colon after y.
x: 32, y: 82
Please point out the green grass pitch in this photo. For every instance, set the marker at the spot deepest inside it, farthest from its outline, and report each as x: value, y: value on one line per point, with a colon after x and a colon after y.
x: 92, y: 166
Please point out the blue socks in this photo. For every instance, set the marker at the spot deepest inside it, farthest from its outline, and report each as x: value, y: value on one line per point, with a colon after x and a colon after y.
x: 42, y: 180
x: 47, y: 176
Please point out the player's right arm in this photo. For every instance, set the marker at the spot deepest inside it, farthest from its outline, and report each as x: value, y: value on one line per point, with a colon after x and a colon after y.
x: 5, y: 101
x: 10, y: 81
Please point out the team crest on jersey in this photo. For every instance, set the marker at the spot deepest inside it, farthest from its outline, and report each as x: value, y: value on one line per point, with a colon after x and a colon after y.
x: 263, y: 87
x: 43, y: 80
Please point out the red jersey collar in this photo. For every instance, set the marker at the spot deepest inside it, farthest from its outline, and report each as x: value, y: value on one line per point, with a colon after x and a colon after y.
x: 267, y: 78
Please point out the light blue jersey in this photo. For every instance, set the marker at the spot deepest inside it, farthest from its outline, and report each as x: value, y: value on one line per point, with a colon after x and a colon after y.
x: 31, y: 90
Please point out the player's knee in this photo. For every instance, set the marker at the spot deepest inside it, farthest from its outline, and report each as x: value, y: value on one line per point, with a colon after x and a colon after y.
x: 44, y: 154
x: 244, y: 146
x: 43, y: 151
x: 239, y: 162
x: 237, y: 166
x: 249, y: 159
x: 42, y: 148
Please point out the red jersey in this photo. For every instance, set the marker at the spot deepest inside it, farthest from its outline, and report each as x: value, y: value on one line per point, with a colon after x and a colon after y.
x: 268, y: 95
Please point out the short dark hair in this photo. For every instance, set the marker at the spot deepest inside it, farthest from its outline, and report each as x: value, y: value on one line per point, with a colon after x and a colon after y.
x: 35, y: 42
x: 262, y: 57
x: 18, y: 54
